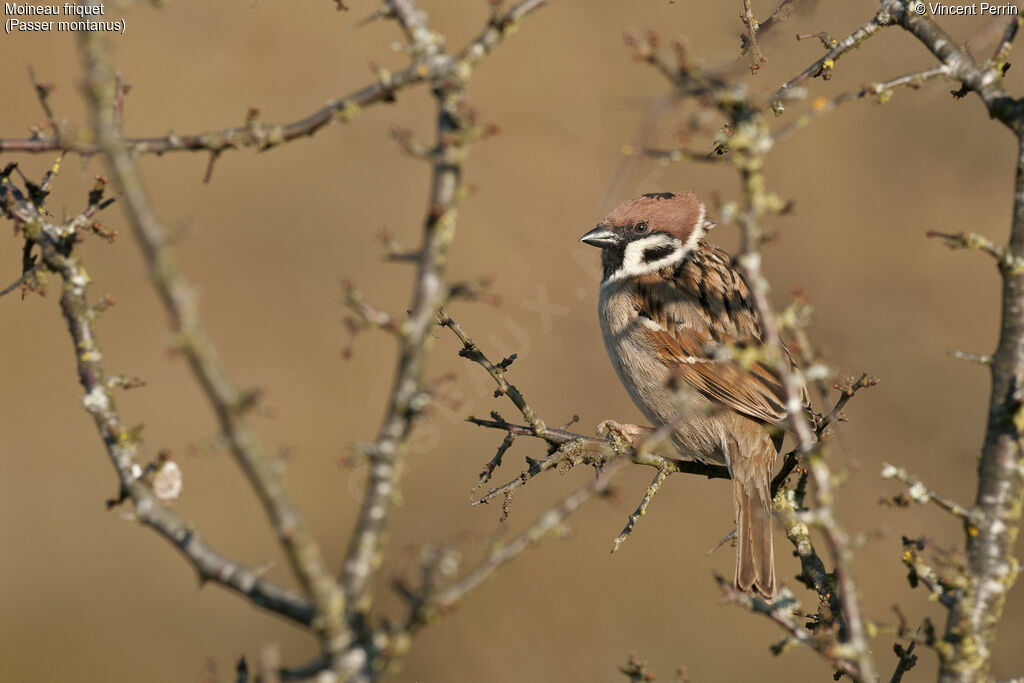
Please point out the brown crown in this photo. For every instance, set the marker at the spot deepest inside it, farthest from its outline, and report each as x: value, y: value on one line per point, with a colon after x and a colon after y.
x: 675, y: 213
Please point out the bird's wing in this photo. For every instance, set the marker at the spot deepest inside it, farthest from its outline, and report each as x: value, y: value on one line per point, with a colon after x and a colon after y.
x: 703, y: 306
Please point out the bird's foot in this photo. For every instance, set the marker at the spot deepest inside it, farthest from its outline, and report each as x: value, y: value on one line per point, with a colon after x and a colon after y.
x: 625, y: 434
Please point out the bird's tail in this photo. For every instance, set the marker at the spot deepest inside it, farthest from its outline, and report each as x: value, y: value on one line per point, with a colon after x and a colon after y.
x: 755, y: 558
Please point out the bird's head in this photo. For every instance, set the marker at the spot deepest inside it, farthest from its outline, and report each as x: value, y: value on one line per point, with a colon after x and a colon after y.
x: 647, y: 233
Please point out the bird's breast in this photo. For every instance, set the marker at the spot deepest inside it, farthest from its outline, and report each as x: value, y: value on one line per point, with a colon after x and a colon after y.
x: 634, y: 359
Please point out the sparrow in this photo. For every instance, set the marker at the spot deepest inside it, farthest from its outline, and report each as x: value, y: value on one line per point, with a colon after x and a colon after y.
x: 668, y: 302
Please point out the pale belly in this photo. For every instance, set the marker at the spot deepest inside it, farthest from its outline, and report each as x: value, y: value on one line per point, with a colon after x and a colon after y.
x: 700, y: 431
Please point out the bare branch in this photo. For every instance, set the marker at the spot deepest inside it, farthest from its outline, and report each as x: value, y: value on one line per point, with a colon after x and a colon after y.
x: 750, y: 40
x: 781, y: 612
x: 919, y: 493
x: 641, y: 509
x: 972, y: 241
x: 469, y: 350
x: 20, y: 281
x: 558, y: 437
x: 227, y: 400
x: 408, y: 398
x: 1002, y: 52
x: 823, y: 67
x: 882, y: 92
x: 122, y: 448
x: 502, y: 555
x: 260, y: 136
x: 986, y: 80
x: 977, y: 358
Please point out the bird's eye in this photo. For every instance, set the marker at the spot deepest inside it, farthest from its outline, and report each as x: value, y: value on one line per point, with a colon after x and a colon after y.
x: 641, y: 227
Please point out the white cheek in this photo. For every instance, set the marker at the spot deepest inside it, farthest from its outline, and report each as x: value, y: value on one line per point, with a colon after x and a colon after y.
x: 698, y: 232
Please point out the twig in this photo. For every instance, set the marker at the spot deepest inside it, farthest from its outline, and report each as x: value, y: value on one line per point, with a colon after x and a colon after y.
x: 907, y: 661
x: 262, y: 137
x: 813, y: 574
x: 423, y: 40
x: 781, y: 14
x: 880, y: 91
x: 502, y: 555
x: 941, y: 589
x: 641, y: 509
x: 495, y: 463
x: 972, y: 241
x: 919, y: 493
x: 847, y: 390
x: 976, y: 358
x: 673, y: 155
x: 750, y: 42
x: 1002, y: 51
x: 823, y: 66
x: 571, y: 452
x: 779, y: 611
x: 986, y: 81
x: 20, y: 281
x: 497, y: 372
x: 777, y: 17
x: 636, y: 670
x: 43, y: 91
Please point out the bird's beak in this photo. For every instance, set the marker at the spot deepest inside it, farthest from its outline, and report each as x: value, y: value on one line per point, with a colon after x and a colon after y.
x: 600, y: 237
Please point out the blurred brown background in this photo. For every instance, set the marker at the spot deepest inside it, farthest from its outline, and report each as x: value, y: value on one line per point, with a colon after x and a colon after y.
x: 87, y: 596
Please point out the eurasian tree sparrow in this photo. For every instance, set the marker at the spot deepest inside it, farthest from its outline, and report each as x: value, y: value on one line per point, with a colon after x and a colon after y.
x: 668, y: 300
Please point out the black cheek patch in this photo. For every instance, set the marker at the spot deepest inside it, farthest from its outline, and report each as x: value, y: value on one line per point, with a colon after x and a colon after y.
x: 657, y: 253
x: 659, y: 195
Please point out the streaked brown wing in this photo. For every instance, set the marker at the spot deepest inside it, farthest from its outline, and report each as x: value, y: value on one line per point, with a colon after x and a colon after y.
x: 703, y: 305
x: 756, y: 392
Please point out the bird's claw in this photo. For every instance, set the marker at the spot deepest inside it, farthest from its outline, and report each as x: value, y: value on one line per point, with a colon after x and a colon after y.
x: 625, y: 434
